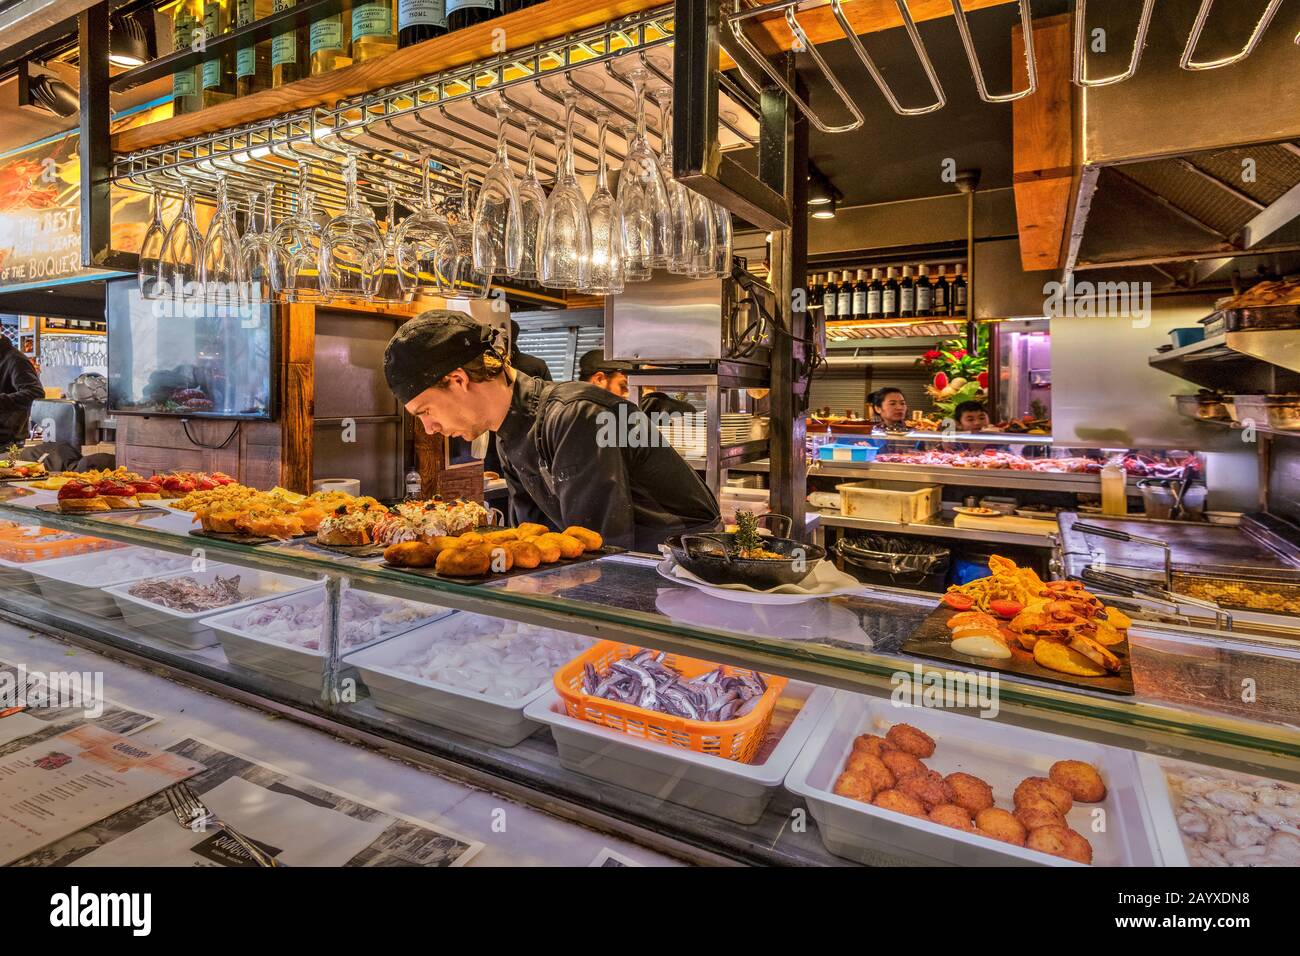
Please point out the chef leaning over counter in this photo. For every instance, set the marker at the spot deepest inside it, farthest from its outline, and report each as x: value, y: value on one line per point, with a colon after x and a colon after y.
x: 567, y: 449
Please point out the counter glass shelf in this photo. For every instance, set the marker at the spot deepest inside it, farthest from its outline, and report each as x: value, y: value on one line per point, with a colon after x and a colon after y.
x: 1187, y: 703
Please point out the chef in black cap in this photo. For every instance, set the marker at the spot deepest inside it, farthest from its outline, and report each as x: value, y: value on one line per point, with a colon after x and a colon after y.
x: 609, y: 374
x: 571, y: 453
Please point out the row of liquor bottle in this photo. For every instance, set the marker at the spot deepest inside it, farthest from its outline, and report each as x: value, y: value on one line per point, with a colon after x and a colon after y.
x: 887, y: 295
x: 359, y: 32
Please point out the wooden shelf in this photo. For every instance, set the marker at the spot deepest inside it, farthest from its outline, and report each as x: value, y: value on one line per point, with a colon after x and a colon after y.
x: 865, y: 16
x: 519, y: 30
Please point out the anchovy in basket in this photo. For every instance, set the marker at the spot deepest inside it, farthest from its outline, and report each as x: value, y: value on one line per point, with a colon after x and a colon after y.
x: 646, y: 681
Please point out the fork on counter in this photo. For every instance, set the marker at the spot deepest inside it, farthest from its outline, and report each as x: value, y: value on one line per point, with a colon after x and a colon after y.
x: 189, y: 809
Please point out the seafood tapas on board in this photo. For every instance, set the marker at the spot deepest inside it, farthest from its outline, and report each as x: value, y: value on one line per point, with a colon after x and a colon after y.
x: 1014, y: 621
x: 490, y: 553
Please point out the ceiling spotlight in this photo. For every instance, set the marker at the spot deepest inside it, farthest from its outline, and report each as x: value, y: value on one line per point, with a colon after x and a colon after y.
x: 40, y: 91
x: 128, y: 44
x: 820, y: 190
x: 825, y: 210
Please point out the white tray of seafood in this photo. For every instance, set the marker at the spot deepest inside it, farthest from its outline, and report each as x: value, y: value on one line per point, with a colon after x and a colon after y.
x: 175, y: 607
x: 282, y: 637
x: 724, y: 788
x: 78, y: 583
x: 1207, y: 816
x: 946, y: 788
x: 467, y: 673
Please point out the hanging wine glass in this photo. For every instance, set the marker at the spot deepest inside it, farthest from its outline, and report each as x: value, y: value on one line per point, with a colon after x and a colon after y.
x: 222, y: 272
x: 564, y: 240
x: 455, y: 263
x: 255, y: 250
x: 681, y: 257
x: 388, y: 288
x: 497, y: 239
x: 606, y: 274
x: 532, y: 202
x: 182, y: 251
x: 151, y: 251
x: 295, y: 243
x: 722, y: 241
x: 418, y: 241
x: 351, y: 248
x: 704, y: 236
x: 641, y: 172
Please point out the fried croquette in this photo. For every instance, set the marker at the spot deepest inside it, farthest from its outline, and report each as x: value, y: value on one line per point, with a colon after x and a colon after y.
x: 411, y: 554
x: 570, y: 547
x: 503, y: 559
x: 547, y: 547
x: 464, y: 562
x: 1043, y: 787
x: 1039, y: 812
x: 530, y: 529
x: 910, y: 740
x: 502, y: 536
x: 591, y: 540
x: 927, y: 786
x: 969, y: 792
x: 899, y: 802
x: 443, y: 541
x: 871, y: 744
x: 1061, y: 841
x: 525, y: 553
x: 900, y: 764
x: 855, y: 786
x: 1080, y: 779
x: 951, y: 815
x: 470, y: 538
x: 1000, y: 825
x: 872, y: 768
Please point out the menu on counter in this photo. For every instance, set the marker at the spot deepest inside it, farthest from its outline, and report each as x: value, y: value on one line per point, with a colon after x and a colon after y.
x: 29, y: 725
x: 297, y: 821
x: 59, y: 786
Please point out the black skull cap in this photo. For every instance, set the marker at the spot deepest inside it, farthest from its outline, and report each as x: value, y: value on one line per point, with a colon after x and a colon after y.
x: 431, y: 345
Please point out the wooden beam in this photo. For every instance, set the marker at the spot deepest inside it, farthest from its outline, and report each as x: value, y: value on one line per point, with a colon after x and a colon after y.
x: 1045, y: 168
x: 297, y: 391
x: 516, y: 31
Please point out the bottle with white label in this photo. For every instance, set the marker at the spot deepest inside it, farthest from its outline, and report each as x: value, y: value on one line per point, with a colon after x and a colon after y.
x: 187, y: 18
x: 252, y: 60
x: 924, y: 292
x: 217, y: 74
x: 289, y: 51
x: 860, y: 295
x: 331, y: 43
x: 830, y: 297
x: 466, y: 13
x: 959, y: 292
x: 906, y: 295
x: 844, y: 303
x: 374, y: 29
x: 942, y: 300
x: 875, y: 295
x: 420, y: 20
x: 889, y: 295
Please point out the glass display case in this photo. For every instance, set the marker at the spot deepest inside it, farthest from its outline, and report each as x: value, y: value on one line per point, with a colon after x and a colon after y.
x: 465, y: 675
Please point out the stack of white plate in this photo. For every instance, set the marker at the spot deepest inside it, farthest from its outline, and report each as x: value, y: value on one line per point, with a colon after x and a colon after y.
x: 736, y: 427
x: 688, y: 434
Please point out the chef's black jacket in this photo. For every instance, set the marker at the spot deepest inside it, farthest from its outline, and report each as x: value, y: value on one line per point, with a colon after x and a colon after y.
x: 559, y: 474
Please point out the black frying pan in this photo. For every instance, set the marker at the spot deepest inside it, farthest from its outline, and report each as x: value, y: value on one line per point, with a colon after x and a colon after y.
x: 710, y: 557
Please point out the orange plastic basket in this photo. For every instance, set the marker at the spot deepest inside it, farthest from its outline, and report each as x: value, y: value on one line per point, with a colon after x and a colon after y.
x: 737, y: 739
x: 26, y: 544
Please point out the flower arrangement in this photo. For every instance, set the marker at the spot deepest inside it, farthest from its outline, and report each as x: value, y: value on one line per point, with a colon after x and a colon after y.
x: 959, y: 375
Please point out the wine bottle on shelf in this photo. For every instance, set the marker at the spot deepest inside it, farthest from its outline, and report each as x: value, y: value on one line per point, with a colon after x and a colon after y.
x: 185, y: 83
x: 924, y: 291
x: 889, y: 295
x: 860, y: 295
x: 906, y: 295
x: 830, y: 297
x: 466, y: 13
x: 959, y: 291
x: 815, y: 292
x: 374, y: 29
x: 875, y: 293
x: 510, y: 6
x: 330, y: 43
x: 844, y: 297
x: 289, y: 50
x: 217, y: 74
x: 252, y: 60
x: 941, y: 297
x: 420, y: 20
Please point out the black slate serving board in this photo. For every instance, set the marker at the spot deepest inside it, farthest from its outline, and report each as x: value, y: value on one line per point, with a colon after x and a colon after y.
x: 513, y: 572
x: 932, y: 639
x: 242, y: 538
x: 53, y: 506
